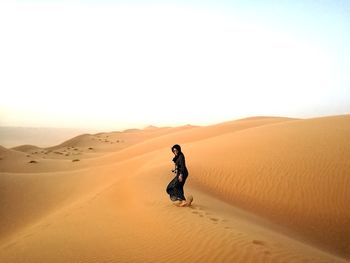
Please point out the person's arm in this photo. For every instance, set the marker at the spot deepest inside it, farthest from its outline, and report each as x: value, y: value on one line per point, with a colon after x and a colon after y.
x: 181, y: 167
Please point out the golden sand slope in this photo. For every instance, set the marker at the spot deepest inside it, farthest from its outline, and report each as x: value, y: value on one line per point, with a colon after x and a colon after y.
x: 294, y: 173
x: 115, y: 209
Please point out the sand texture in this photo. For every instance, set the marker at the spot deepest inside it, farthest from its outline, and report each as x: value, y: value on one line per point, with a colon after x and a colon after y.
x: 265, y: 189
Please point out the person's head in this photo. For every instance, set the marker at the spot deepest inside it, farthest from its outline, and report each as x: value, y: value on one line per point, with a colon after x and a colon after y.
x: 176, y: 149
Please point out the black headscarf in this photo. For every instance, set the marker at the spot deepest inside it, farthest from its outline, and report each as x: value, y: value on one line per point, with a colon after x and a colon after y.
x: 178, y: 148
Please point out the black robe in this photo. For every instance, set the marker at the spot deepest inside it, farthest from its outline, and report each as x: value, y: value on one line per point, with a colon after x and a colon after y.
x: 175, y: 188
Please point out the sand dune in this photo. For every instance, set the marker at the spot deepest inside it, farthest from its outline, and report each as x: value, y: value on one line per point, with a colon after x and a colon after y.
x: 266, y: 190
x: 27, y: 148
x: 184, y: 136
x: 72, y: 154
x: 294, y: 173
x: 42, y: 137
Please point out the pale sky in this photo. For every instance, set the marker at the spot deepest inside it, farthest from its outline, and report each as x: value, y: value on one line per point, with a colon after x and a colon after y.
x: 125, y: 64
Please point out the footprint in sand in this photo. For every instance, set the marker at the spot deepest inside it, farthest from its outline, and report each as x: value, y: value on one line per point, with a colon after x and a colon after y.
x: 10, y: 245
x: 28, y: 235
x: 45, y: 225
x: 258, y: 242
x: 198, y: 213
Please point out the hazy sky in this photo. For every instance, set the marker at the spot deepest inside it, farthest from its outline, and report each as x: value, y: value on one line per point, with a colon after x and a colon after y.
x: 122, y: 64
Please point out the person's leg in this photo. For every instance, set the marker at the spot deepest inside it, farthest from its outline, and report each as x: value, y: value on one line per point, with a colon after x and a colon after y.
x: 186, y: 201
x: 181, y: 193
x: 180, y: 190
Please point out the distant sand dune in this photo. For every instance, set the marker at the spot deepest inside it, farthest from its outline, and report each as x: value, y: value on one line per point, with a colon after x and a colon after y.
x: 26, y: 148
x: 289, y: 177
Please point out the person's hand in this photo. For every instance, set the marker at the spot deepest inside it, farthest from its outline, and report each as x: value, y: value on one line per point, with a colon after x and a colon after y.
x: 180, y: 178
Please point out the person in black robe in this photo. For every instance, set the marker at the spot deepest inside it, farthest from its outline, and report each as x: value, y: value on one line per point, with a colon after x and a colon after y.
x: 175, y: 188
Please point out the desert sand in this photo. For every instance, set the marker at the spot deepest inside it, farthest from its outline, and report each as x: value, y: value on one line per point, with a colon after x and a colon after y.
x: 266, y: 189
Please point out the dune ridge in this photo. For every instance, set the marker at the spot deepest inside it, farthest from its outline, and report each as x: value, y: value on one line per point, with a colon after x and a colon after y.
x: 262, y: 190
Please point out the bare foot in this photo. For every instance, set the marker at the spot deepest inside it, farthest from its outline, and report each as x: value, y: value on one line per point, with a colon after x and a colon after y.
x: 177, y: 202
x: 183, y: 203
x: 189, y: 200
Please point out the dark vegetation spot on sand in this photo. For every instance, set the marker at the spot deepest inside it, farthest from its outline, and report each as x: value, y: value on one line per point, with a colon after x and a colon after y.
x: 33, y: 161
x: 75, y: 160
